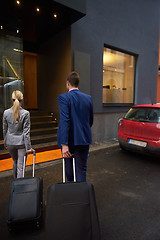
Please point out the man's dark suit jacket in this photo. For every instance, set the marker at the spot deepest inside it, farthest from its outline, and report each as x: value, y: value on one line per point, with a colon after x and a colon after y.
x: 76, y: 118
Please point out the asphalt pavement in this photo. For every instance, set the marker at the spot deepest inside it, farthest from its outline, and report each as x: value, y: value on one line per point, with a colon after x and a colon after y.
x: 127, y: 188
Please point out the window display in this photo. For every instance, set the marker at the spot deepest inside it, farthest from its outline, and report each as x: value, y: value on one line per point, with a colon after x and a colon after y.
x: 118, y: 76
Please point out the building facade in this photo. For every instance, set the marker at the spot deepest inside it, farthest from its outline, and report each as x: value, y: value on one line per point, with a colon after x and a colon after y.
x: 114, y: 45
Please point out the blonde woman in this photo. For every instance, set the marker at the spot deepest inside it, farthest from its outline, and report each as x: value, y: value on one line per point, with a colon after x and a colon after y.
x: 16, y: 132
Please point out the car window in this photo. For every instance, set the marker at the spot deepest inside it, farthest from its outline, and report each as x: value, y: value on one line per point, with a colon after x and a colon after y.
x: 143, y: 115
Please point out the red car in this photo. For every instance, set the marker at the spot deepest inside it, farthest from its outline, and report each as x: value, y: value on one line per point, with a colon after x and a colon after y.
x: 139, y: 130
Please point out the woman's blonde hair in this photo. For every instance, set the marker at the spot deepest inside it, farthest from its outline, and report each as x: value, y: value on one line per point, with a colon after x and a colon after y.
x: 17, y: 97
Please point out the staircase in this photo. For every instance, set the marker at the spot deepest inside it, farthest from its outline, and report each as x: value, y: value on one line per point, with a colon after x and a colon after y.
x: 43, y: 132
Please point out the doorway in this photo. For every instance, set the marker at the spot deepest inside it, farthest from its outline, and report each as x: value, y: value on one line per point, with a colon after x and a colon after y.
x: 30, y: 80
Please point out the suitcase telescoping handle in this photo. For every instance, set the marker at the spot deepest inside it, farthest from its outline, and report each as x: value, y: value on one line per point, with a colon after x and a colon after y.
x: 74, y: 170
x: 24, y: 163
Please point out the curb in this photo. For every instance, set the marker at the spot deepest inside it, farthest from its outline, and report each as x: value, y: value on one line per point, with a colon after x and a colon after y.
x: 93, y: 148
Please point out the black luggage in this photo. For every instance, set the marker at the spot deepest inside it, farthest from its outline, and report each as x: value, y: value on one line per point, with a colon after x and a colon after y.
x: 25, y: 200
x: 71, y: 212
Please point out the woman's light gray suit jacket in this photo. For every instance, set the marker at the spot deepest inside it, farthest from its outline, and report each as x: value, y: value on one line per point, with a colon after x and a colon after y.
x: 16, y: 134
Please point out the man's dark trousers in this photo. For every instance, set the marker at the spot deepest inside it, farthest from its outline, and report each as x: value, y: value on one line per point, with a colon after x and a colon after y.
x: 80, y: 153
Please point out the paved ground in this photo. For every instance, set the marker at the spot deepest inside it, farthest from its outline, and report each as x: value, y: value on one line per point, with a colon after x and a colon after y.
x: 127, y: 190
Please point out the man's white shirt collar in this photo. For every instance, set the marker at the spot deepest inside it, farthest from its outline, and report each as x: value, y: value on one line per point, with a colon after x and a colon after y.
x: 73, y: 89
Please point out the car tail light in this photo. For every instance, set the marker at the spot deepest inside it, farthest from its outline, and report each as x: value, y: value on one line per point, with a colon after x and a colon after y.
x: 120, y: 122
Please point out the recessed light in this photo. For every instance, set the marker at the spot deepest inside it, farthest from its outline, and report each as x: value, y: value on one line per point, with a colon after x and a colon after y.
x: 55, y: 15
x: 17, y: 50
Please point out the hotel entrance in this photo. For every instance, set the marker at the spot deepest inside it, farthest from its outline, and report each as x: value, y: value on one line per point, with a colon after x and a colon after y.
x: 35, y: 58
x: 26, y: 31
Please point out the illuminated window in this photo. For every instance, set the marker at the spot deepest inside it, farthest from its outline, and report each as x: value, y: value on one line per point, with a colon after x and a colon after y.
x: 118, y: 77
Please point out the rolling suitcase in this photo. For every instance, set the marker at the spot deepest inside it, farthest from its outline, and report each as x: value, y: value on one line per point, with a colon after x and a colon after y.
x: 25, y: 200
x: 71, y: 212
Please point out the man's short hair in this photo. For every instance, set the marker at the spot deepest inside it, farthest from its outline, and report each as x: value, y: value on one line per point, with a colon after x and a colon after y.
x: 73, y: 78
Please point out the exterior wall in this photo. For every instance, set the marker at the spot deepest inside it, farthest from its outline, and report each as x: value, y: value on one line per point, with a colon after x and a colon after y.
x: 158, y: 78
x: 158, y: 89
x: 105, y: 126
x: 128, y: 25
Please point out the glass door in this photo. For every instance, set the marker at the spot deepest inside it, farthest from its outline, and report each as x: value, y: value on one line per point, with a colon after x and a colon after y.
x: 11, y: 68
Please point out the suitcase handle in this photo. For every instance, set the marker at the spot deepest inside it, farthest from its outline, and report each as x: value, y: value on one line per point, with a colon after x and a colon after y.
x: 24, y: 163
x: 74, y: 170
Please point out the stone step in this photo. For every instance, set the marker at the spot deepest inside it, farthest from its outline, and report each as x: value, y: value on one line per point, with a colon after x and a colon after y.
x: 39, y: 122
x: 39, y: 113
x: 43, y: 139
x: 38, y: 147
x: 43, y: 131
x: 41, y: 119
x: 40, y: 129
x: 48, y: 138
x: 47, y: 124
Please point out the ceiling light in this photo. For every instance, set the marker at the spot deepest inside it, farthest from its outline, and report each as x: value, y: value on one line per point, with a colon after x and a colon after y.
x: 1, y: 27
x: 55, y: 15
x: 17, y: 30
x: 37, y: 9
x: 17, y: 50
x: 18, y: 3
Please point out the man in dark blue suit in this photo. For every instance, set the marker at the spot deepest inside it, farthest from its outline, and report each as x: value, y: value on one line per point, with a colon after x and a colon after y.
x: 74, y: 131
